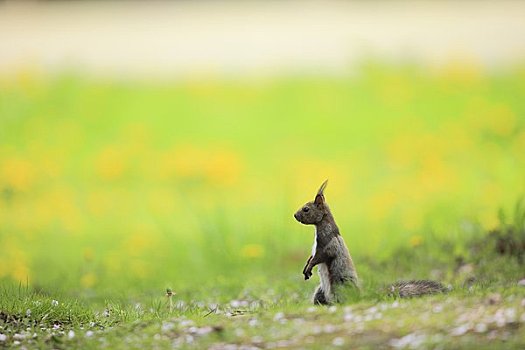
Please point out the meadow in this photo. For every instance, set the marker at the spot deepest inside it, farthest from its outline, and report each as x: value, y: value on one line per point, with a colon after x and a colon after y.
x: 114, y: 190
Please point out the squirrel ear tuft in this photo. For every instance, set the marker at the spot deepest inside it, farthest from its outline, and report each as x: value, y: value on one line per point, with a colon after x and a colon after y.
x: 319, y: 198
x: 323, y: 186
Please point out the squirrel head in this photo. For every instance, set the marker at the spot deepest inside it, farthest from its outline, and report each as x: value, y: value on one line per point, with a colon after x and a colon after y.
x: 313, y: 212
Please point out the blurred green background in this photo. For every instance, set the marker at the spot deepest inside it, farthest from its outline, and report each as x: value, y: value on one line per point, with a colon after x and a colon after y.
x: 112, y: 185
x: 136, y: 184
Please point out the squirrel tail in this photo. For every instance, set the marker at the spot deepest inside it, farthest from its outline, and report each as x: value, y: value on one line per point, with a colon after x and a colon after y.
x: 407, y: 289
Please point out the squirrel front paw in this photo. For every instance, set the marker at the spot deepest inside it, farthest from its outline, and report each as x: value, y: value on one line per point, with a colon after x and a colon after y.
x: 307, y: 274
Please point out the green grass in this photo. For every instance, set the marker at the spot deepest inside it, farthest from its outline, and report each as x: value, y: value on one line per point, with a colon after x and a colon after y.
x: 112, y: 191
x: 491, y: 315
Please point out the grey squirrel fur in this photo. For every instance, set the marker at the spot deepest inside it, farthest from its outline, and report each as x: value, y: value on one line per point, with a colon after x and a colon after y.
x: 335, y: 265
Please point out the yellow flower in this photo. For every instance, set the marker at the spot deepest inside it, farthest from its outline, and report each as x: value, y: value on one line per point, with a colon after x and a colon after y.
x: 415, y: 240
x: 223, y: 167
x: 89, y: 254
x: 18, y: 173
x: 61, y: 206
x: 217, y: 165
x: 29, y: 79
x: 16, y: 261
x: 252, y: 251
x: 110, y: 163
x: 185, y: 161
x: 382, y: 204
x: 88, y: 280
x: 113, y: 263
x: 140, y: 241
x: 465, y: 71
x: 203, y: 84
x: 502, y: 120
x: 20, y: 272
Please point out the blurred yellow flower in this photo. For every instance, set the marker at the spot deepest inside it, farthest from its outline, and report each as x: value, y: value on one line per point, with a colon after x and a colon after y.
x: 89, y: 254
x: 488, y: 218
x: 415, y: 240
x: 501, y: 120
x: 15, y: 260
x: 51, y: 167
x: 217, y: 165
x: 382, y: 204
x: 61, y: 206
x: 223, y: 167
x: 165, y: 165
x: 110, y: 163
x: 138, y: 242
x: 113, y: 262
x: 88, y: 280
x: 187, y: 161
x: 20, y: 272
x: 435, y: 175
x: 18, y: 173
x: 29, y: 78
x: 463, y: 70
x: 203, y: 84
x: 252, y: 251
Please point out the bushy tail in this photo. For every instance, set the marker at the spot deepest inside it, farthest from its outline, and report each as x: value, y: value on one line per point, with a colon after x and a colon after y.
x: 407, y: 289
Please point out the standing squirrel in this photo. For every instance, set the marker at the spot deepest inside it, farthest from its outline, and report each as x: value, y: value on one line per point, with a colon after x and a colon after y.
x: 336, y: 268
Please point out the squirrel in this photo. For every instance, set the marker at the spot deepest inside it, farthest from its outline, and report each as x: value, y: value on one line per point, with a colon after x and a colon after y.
x: 335, y: 265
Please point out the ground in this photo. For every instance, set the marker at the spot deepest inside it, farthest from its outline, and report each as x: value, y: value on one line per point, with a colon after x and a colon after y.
x: 460, y: 319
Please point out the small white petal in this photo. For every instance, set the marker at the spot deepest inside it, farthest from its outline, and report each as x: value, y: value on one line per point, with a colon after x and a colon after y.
x: 458, y: 331
x: 437, y: 309
x: 278, y: 316
x: 329, y: 328
x: 339, y: 341
x: 480, y: 328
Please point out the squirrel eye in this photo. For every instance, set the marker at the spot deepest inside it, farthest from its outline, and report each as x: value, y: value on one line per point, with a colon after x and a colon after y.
x: 305, y: 209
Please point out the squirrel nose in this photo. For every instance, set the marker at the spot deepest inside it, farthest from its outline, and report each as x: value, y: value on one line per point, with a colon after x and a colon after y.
x: 295, y: 216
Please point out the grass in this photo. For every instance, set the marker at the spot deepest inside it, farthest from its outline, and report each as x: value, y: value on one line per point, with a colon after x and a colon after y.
x: 113, y: 191
x: 492, y: 316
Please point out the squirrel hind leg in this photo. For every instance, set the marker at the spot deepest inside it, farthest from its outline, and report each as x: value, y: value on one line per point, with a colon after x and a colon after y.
x: 319, y: 297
